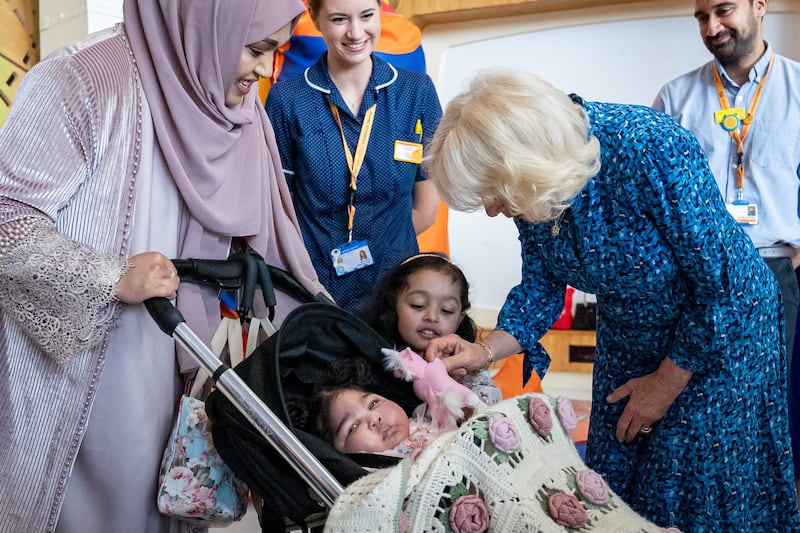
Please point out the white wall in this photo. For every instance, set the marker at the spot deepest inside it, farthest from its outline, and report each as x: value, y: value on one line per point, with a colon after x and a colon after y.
x: 103, y: 13
x: 62, y: 22
x: 617, y: 61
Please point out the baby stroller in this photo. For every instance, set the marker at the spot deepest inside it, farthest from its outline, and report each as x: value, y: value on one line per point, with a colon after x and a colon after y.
x: 296, y: 474
x: 509, y: 467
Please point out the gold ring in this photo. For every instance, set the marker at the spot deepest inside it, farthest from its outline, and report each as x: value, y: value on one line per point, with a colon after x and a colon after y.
x: 645, y: 430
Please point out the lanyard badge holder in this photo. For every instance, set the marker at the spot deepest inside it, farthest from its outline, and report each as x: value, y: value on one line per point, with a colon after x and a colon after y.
x: 353, y: 255
x: 736, y: 122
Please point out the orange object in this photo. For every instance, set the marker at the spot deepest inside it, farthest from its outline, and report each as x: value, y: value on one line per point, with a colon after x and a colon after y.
x: 263, y: 88
x: 435, y: 239
x: 508, y: 377
x: 581, y: 431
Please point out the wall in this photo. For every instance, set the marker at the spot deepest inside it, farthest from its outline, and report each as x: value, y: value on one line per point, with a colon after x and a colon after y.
x: 65, y: 21
x: 617, y: 55
x: 61, y: 22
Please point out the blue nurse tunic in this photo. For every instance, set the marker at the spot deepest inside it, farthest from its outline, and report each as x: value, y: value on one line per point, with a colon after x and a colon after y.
x: 314, y: 161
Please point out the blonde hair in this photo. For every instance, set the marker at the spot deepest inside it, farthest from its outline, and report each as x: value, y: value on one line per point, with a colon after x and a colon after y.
x: 513, y: 138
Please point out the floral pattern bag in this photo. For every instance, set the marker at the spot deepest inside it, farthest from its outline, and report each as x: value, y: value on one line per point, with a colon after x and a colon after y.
x: 194, y: 483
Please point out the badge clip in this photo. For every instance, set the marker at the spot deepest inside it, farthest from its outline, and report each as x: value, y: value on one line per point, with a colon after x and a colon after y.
x: 729, y: 118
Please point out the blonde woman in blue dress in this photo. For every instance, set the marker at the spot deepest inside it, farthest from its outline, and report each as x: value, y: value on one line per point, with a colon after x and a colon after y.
x: 689, y: 414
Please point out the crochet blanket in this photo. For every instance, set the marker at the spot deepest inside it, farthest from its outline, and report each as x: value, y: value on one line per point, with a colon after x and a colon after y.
x: 511, y: 467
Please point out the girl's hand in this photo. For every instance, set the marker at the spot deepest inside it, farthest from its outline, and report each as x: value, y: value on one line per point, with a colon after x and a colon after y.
x: 151, y: 274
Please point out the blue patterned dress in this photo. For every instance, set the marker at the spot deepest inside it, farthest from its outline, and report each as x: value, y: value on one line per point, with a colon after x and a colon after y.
x: 674, y: 277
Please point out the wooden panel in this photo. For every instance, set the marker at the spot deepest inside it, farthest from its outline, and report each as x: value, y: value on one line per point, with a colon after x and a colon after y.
x: 424, y: 12
x: 19, y: 47
x: 567, y: 349
x: 26, y: 11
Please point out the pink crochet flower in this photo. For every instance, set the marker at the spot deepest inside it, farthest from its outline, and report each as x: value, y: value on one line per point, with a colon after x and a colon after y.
x: 503, y: 434
x: 592, y: 486
x: 566, y: 510
x: 566, y: 413
x: 469, y: 515
x: 671, y: 530
x: 539, y: 416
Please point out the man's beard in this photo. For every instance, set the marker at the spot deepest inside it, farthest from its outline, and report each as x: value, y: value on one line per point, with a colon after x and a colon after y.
x: 735, y: 48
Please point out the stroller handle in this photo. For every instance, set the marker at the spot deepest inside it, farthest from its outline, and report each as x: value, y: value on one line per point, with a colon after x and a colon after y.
x: 164, y: 314
x: 280, y: 437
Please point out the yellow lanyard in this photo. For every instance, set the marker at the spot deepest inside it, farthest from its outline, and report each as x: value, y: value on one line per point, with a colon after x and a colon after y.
x: 354, y: 163
x: 748, y: 119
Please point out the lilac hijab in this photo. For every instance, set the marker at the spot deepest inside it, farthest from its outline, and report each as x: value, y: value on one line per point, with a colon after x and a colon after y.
x: 224, y: 161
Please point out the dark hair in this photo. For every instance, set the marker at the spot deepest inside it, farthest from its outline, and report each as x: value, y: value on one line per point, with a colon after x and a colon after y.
x: 382, y: 315
x: 344, y: 373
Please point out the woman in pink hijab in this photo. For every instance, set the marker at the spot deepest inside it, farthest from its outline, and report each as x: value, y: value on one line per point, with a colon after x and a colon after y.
x: 140, y: 143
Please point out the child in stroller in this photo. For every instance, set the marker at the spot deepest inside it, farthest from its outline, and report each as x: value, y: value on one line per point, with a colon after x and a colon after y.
x: 353, y: 417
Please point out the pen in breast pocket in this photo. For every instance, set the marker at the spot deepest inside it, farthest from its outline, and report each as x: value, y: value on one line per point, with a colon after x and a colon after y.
x: 418, y: 129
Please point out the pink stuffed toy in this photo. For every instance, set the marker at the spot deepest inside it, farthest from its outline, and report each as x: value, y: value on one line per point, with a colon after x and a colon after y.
x: 446, y: 398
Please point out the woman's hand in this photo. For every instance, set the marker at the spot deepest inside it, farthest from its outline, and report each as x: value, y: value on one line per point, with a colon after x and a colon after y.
x: 459, y: 356
x: 151, y: 274
x: 650, y: 397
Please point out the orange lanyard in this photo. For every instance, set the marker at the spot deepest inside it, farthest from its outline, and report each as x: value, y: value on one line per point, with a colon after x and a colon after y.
x: 737, y: 136
x: 354, y: 163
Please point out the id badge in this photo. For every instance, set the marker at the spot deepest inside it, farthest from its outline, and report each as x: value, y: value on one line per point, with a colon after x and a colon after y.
x: 408, y: 152
x: 743, y: 212
x: 350, y: 257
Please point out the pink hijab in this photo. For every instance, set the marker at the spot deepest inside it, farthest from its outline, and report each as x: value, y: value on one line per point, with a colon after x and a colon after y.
x: 224, y: 161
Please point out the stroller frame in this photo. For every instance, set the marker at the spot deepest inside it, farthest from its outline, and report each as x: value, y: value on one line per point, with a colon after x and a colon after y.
x: 277, y: 434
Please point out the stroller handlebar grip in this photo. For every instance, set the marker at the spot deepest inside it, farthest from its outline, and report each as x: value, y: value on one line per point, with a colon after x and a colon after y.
x: 219, y: 273
x: 164, y: 313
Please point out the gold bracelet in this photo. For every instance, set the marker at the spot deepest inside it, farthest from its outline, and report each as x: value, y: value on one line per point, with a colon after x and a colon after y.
x: 489, y: 353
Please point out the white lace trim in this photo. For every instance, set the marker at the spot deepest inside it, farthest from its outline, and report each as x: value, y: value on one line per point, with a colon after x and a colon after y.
x: 58, y: 290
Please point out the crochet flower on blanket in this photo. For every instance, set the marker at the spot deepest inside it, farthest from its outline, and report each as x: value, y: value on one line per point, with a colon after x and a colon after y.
x: 539, y: 416
x: 469, y: 515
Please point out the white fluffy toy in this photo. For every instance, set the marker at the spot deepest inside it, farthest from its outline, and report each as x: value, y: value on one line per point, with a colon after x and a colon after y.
x: 446, y: 398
